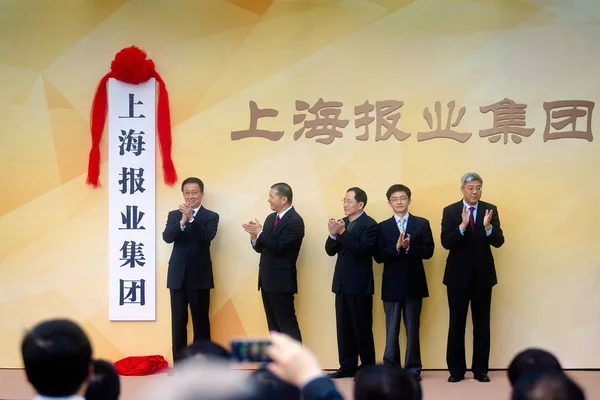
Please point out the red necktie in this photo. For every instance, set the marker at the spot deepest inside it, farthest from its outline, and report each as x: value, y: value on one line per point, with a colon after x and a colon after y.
x: 276, y: 221
x: 471, y: 220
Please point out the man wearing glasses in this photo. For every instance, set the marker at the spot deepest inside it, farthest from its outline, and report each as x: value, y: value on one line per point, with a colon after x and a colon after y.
x: 353, y: 240
x: 405, y: 240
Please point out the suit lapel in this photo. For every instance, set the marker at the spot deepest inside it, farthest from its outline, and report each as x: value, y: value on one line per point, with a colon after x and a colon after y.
x: 410, y: 225
x: 357, y: 222
x: 391, y: 225
x: 268, y: 227
x: 283, y: 220
x: 459, y: 208
x: 480, y: 214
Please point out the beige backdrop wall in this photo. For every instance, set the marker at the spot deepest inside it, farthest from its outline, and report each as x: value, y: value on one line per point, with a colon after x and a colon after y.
x: 218, y: 55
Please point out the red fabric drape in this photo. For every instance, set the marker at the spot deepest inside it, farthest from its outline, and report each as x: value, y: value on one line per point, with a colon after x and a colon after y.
x: 141, y: 365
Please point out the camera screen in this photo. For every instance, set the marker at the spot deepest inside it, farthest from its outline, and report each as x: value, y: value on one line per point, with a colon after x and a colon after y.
x: 249, y: 350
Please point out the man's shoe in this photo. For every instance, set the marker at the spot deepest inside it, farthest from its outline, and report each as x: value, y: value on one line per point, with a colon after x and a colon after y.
x: 342, y: 373
x: 482, y: 377
x: 454, y: 379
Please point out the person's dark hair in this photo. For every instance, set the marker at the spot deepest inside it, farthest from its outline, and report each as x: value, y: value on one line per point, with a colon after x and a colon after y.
x: 267, y: 386
x: 359, y: 195
x: 104, y: 383
x: 193, y: 179
x: 397, y: 188
x: 204, y: 349
x: 546, y: 385
x: 283, y: 190
x: 57, y: 355
x: 531, y: 359
x: 385, y: 382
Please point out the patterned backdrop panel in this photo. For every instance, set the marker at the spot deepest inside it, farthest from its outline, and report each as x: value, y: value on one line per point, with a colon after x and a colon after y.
x: 324, y: 95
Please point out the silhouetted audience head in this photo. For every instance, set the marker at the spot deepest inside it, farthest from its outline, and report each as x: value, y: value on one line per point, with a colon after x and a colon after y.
x: 268, y: 386
x: 548, y: 385
x: 104, y: 383
x: 386, y: 382
x: 531, y: 359
x: 201, y: 379
x: 57, y: 355
x: 204, y: 349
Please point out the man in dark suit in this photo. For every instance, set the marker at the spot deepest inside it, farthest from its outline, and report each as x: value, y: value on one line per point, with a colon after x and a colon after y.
x: 405, y: 240
x: 278, y: 243
x: 191, y: 228
x: 353, y: 240
x: 469, y: 227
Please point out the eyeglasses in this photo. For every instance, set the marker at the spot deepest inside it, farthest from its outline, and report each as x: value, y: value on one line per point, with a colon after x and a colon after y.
x: 348, y: 201
x: 395, y: 199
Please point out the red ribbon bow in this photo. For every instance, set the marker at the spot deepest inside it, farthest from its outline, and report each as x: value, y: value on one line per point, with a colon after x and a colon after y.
x: 131, y: 66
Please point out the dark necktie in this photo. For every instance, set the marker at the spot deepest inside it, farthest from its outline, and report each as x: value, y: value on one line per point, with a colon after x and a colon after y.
x: 350, y: 226
x: 471, y: 219
x: 276, y: 221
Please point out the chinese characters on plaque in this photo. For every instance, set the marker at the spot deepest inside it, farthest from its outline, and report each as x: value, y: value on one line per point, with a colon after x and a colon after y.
x: 323, y: 122
x: 131, y: 198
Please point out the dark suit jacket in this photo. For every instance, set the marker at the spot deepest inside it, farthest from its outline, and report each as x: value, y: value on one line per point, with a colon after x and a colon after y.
x: 190, y: 258
x: 279, y: 248
x: 470, y: 259
x: 403, y: 272
x: 353, y: 273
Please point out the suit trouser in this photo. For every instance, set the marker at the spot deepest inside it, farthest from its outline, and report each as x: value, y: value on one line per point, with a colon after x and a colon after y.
x: 458, y: 302
x: 411, y: 308
x: 280, y: 312
x: 354, y: 320
x: 199, y: 302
